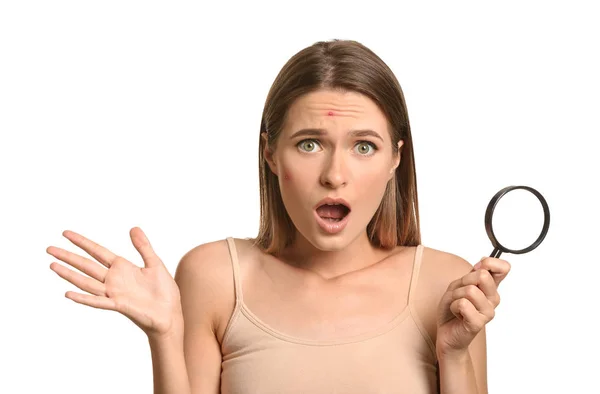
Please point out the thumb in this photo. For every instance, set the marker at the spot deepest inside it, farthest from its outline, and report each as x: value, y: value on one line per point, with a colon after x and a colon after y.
x: 142, y: 245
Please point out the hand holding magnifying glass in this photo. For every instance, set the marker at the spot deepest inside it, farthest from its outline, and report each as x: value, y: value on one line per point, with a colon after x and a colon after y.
x: 470, y: 301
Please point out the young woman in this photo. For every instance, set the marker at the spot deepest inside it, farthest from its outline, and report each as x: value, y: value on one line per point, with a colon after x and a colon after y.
x: 336, y: 294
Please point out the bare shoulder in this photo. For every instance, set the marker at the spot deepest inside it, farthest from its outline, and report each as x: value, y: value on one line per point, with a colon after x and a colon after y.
x: 205, y: 279
x: 438, y: 270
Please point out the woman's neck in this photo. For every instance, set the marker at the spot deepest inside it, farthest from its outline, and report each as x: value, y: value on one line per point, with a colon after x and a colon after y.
x: 332, y: 264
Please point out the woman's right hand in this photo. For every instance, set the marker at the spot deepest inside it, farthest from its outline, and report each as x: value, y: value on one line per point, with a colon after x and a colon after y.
x: 148, y: 296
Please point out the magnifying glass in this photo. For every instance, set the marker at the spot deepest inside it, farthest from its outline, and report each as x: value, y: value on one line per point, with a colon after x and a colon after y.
x: 518, y: 218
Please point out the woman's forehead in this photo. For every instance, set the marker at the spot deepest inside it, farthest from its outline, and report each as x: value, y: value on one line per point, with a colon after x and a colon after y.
x: 334, y: 101
x: 346, y: 109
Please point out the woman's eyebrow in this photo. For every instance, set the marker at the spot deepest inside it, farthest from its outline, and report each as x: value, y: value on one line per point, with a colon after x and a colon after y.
x: 321, y: 132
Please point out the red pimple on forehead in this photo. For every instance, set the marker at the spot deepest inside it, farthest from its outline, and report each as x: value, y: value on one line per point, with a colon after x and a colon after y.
x: 330, y: 113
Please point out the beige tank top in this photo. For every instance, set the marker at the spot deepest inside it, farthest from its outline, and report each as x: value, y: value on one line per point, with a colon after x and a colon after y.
x: 398, y: 357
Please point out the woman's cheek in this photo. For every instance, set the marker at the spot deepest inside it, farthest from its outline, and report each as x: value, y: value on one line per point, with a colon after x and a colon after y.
x: 293, y: 174
x: 371, y: 186
x: 297, y: 175
x: 288, y: 180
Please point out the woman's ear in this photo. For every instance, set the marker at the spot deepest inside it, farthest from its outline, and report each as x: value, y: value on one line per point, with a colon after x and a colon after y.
x: 268, y: 153
x: 397, y: 158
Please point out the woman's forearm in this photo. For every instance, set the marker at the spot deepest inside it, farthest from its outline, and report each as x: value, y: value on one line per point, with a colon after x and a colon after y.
x: 456, y: 374
x: 168, y: 365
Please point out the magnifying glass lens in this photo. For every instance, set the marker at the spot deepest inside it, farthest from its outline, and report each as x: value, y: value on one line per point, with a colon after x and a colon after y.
x: 518, y: 219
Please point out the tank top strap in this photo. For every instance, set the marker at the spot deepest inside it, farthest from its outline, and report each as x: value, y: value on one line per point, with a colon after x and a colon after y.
x: 236, y: 270
x: 415, y: 272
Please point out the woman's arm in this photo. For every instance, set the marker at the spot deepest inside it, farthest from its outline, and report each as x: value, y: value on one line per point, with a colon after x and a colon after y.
x: 457, y: 375
x: 202, y: 276
x: 467, y: 306
x: 187, y: 363
x: 437, y: 271
x: 465, y: 372
x: 189, y: 360
x: 168, y: 364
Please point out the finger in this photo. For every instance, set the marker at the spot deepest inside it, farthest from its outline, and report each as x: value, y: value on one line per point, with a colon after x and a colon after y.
x: 467, y: 279
x: 498, y: 268
x: 87, y: 266
x: 100, y: 253
x: 142, y: 245
x: 485, y: 282
x: 475, y: 297
x: 464, y: 310
x: 455, y: 284
x: 94, y: 301
x: 84, y: 283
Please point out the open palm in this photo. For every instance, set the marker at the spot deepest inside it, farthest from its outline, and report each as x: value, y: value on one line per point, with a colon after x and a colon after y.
x: 147, y: 295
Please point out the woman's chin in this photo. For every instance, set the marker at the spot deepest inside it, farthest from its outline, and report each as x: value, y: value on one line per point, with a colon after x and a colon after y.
x: 329, y: 242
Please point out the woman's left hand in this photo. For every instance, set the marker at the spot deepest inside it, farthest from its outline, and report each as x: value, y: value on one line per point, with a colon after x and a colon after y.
x: 468, y: 305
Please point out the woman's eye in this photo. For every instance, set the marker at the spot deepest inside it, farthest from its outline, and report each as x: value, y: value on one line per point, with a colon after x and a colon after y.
x: 308, y: 145
x: 366, y: 148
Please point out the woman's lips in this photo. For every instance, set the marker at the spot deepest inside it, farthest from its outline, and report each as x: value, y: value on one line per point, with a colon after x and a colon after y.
x: 331, y: 226
x: 332, y: 200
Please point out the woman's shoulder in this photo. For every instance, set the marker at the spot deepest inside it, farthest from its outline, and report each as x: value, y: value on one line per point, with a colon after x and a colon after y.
x: 204, y: 260
x: 205, y: 279
x: 438, y: 269
x: 442, y: 267
x: 214, y: 256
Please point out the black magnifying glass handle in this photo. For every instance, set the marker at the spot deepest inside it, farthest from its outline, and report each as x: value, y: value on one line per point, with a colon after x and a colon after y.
x: 496, y: 253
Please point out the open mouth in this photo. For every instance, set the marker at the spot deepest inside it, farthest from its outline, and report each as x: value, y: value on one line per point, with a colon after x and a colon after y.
x: 333, y: 212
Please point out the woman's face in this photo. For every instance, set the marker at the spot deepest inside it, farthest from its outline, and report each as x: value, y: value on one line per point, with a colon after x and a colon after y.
x: 334, y: 145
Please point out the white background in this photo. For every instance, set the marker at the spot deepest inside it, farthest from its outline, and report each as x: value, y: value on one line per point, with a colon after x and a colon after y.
x: 117, y: 114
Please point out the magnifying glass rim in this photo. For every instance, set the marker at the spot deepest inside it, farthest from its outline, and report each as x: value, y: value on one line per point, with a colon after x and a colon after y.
x: 490, y: 212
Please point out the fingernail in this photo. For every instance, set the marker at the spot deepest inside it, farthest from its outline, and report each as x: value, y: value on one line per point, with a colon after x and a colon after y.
x: 476, y: 266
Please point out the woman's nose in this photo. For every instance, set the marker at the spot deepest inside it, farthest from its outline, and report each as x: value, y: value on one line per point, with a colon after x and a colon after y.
x: 334, y: 173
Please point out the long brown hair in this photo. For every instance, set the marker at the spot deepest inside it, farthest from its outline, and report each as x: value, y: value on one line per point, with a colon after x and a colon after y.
x: 342, y: 65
